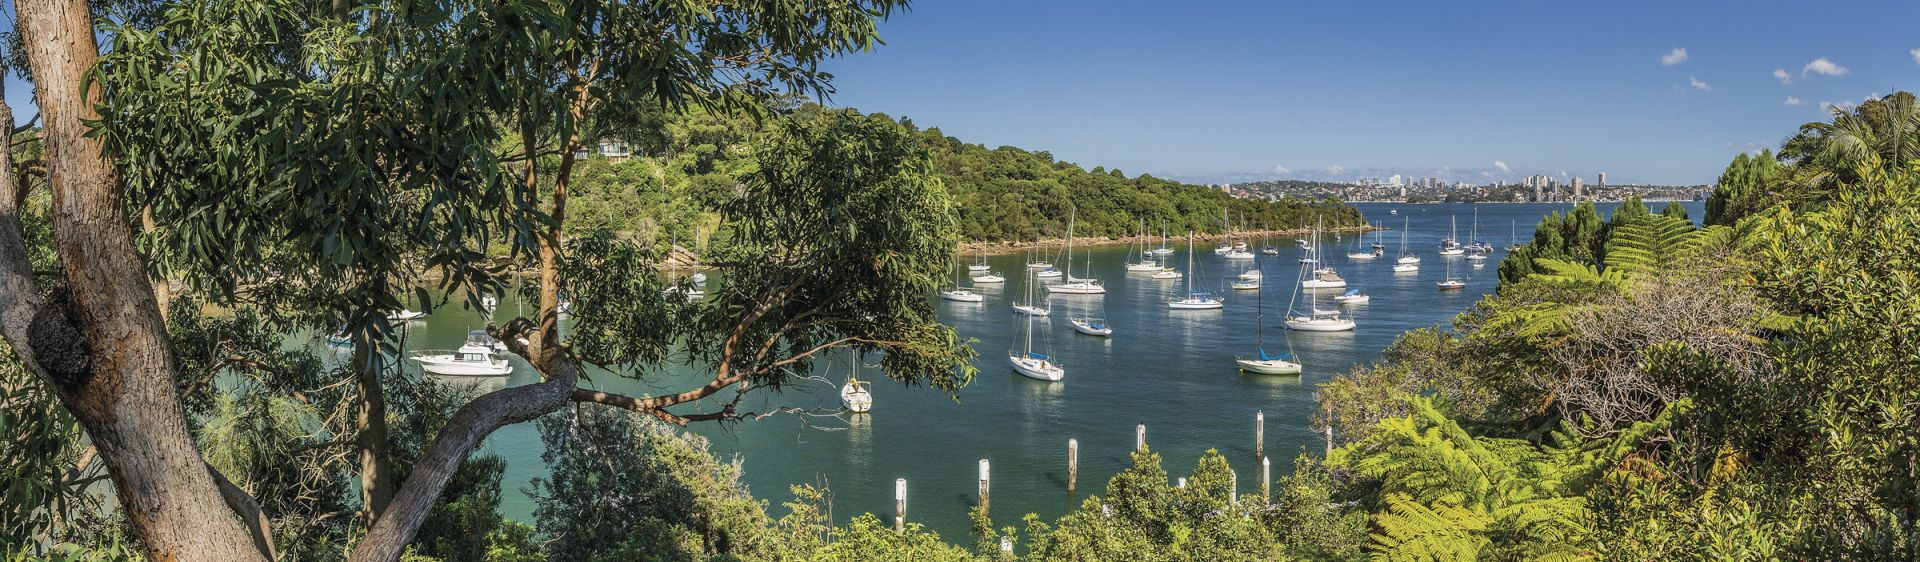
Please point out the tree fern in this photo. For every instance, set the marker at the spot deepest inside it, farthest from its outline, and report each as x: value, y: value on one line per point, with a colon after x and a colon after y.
x: 1413, y: 531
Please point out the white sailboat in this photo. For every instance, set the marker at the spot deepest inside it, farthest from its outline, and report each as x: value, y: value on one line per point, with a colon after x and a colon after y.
x: 1409, y: 260
x: 1237, y: 250
x: 1266, y: 244
x: 1359, y: 254
x: 1513, y: 241
x: 1145, y: 261
x: 1075, y: 285
x: 1195, y: 300
x: 1450, y: 283
x: 1323, y: 277
x: 987, y: 275
x: 1030, y: 308
x: 1034, y: 365
x: 959, y: 294
x: 1037, y: 256
x: 1316, y: 320
x: 1283, y: 364
x: 1476, y: 252
x: 1450, y: 246
x: 980, y: 265
x: 856, y: 394
x: 1225, y: 245
x: 1091, y: 326
x: 1163, y: 249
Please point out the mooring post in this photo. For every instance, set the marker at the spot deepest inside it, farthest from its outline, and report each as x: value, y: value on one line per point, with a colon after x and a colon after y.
x: 1073, y: 463
x: 1260, y: 434
x: 985, y: 485
x: 1182, y: 483
x: 900, y: 505
x: 1140, y: 437
x: 1266, y: 481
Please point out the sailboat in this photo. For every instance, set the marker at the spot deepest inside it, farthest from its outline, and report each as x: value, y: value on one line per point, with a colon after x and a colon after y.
x: 1450, y: 283
x: 856, y: 395
x: 1450, y: 246
x: 1075, y: 285
x: 1237, y: 250
x: 1163, y: 249
x: 1227, y: 230
x: 1034, y: 365
x: 1316, y: 320
x: 673, y: 273
x: 1409, y: 260
x: 1091, y: 326
x: 1146, y: 262
x: 1195, y: 300
x: 1266, y: 243
x: 1359, y: 254
x: 1323, y: 277
x: 959, y: 294
x: 1264, y: 364
x: 1037, y: 255
x: 1030, y: 308
x: 982, y: 264
x: 1476, y: 252
x: 988, y: 275
x: 1513, y: 241
x: 1045, y: 265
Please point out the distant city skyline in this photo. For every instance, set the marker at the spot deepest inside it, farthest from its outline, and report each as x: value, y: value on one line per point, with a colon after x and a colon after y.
x: 1649, y: 92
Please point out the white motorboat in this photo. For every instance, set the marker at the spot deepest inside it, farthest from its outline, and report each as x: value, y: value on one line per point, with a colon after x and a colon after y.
x: 1167, y: 273
x: 1251, y: 274
x: 1245, y: 284
x: 1049, y: 273
x: 1092, y: 326
x: 1239, y: 255
x: 698, y: 278
x: 489, y: 302
x: 1143, y: 266
x: 1352, y: 296
x: 691, y: 292
x: 480, y: 337
x: 1409, y: 258
x: 405, y: 314
x: 1195, y: 300
x: 474, y: 359
x: 1405, y: 267
x: 1321, y: 321
x: 989, y: 277
x: 1361, y: 255
x: 1323, y: 278
x: 1222, y: 249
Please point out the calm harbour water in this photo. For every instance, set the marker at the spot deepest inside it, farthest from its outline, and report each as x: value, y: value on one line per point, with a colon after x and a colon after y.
x: 1171, y: 370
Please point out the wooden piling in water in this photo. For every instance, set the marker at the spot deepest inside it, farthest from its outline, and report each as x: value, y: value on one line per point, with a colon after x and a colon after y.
x: 985, y: 485
x: 1073, y: 463
x: 900, y: 505
x: 1260, y: 434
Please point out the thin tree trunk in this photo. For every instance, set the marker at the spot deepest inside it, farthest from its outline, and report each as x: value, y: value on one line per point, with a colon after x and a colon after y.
x: 370, y: 430
x: 101, y: 343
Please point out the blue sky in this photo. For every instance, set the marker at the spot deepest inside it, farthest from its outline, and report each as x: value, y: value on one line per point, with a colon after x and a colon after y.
x: 1212, y: 91
x: 1207, y: 91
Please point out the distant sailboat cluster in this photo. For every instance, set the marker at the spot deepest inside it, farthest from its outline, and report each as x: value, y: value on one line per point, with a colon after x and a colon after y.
x: 1073, y: 275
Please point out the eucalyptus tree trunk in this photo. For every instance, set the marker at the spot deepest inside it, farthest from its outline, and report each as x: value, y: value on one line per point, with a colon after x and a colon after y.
x: 100, y: 342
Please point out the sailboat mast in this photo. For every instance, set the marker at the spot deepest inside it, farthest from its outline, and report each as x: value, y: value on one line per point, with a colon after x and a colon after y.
x: 1070, y: 217
x: 1190, y: 272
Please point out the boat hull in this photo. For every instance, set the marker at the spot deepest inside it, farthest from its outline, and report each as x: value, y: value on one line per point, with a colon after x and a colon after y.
x: 1077, y: 289
x: 496, y: 368
x: 1320, y: 325
x: 856, y: 398
x: 1192, y: 305
x: 1143, y: 267
x: 1036, y: 369
x: 1029, y: 310
x: 962, y: 296
x: 1091, y: 330
x: 1275, y: 367
x: 1318, y: 284
x: 989, y: 279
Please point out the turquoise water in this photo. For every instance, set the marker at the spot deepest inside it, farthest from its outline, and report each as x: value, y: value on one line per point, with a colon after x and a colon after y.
x: 1171, y: 370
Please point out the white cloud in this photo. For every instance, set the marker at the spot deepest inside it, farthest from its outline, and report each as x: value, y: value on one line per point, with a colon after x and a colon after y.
x: 1781, y: 75
x: 1335, y: 169
x: 1502, y: 166
x: 1823, y: 66
x: 1676, y: 56
x: 1843, y: 106
x: 1793, y: 101
x: 1916, y: 55
x: 1279, y: 169
x: 1698, y: 85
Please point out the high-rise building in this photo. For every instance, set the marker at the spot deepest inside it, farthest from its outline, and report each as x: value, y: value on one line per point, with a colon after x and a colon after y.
x: 1601, y: 181
x: 1576, y: 188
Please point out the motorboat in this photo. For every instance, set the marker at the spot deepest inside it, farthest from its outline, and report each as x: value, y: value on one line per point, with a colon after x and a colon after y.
x: 1251, y: 274
x: 1049, y: 273
x: 476, y: 358
x: 1352, y: 296
x: 404, y: 315
x: 1245, y: 284
x: 1323, y: 278
x: 1167, y: 273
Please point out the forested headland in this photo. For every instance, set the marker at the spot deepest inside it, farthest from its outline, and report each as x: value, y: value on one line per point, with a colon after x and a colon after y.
x: 680, y: 164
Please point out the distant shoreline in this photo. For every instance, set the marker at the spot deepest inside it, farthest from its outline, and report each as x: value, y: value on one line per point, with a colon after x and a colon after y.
x: 1014, y: 247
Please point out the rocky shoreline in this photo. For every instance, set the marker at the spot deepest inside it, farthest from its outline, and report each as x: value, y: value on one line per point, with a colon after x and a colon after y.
x: 1014, y: 247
